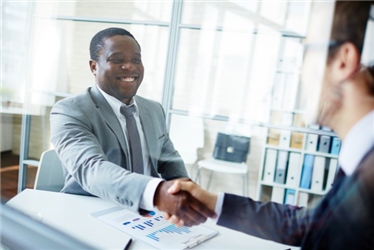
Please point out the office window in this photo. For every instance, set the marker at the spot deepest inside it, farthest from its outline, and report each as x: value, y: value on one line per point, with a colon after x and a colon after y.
x: 132, y: 10
x: 219, y: 62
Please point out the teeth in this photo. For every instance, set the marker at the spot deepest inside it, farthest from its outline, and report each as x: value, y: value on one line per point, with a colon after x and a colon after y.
x: 127, y: 79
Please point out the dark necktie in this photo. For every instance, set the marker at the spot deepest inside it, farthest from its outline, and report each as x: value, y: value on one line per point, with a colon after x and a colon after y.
x: 133, y: 140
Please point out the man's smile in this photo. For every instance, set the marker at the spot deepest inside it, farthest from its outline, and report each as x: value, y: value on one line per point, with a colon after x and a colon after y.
x: 127, y: 79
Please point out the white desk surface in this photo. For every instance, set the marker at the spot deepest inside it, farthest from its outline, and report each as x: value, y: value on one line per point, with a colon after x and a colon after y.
x: 70, y: 214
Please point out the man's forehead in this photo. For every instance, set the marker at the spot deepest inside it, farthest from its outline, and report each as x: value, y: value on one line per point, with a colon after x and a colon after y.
x: 121, y: 43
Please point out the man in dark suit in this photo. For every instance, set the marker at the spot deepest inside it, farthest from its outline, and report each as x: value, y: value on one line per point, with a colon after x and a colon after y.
x: 344, y: 218
x: 114, y: 144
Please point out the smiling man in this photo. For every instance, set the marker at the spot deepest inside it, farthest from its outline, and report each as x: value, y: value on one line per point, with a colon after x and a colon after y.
x: 114, y: 144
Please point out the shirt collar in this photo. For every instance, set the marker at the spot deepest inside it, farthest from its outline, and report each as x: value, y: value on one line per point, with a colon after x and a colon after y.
x: 359, y: 140
x: 116, y: 104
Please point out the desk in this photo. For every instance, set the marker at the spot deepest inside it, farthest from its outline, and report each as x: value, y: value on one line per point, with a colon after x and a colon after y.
x: 70, y: 214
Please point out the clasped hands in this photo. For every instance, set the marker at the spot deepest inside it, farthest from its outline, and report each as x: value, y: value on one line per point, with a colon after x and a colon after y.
x: 184, y: 203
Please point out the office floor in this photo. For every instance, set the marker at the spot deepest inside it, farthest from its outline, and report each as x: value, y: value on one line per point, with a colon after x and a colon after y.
x: 9, y: 176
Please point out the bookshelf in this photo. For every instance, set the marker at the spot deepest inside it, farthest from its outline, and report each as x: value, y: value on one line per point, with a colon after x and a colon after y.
x: 311, y: 195
x: 296, y: 167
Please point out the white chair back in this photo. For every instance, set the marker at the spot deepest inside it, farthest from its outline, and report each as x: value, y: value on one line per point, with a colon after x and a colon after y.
x: 49, y: 176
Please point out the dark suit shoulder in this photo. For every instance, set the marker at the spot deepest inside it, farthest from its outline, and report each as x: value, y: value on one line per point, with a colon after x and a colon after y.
x: 365, y: 170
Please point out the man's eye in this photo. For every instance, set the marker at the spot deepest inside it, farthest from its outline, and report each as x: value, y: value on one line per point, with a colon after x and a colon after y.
x: 137, y: 61
x: 116, y: 60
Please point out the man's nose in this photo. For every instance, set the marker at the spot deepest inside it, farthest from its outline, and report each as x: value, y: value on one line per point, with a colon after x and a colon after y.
x: 128, y: 66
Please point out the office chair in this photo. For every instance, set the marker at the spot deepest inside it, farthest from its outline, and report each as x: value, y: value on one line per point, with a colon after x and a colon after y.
x: 229, y: 156
x: 49, y: 176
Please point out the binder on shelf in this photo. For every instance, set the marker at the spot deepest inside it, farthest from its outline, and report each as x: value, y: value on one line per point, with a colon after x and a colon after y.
x: 270, y: 161
x: 311, y: 142
x: 289, y: 198
x: 287, y: 118
x: 297, y: 140
x: 285, y: 138
x: 293, y: 167
x: 335, y: 146
x: 277, y: 195
x: 302, y: 200
x: 331, y: 174
x: 318, y: 173
x: 280, y: 176
x: 299, y: 120
x: 273, y: 137
x: 306, y: 176
x: 324, y: 144
x: 278, y: 90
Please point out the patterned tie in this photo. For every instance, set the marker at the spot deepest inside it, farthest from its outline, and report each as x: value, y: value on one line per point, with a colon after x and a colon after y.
x: 134, y: 140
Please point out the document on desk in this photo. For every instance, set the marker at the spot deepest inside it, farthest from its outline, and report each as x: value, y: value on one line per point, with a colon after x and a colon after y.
x: 153, y: 229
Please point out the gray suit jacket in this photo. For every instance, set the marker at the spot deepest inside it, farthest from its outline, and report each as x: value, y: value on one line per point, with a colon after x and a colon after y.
x: 90, y: 143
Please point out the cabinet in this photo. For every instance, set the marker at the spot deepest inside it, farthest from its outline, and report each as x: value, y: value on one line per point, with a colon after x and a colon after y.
x: 296, y: 165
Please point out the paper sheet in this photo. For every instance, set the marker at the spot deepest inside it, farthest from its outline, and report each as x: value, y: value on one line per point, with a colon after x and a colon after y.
x: 153, y: 229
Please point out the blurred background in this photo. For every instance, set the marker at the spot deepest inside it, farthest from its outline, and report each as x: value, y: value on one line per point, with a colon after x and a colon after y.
x: 226, y: 66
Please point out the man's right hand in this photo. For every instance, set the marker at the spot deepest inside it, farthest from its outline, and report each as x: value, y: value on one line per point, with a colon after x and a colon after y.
x: 209, y: 199
x: 186, y: 208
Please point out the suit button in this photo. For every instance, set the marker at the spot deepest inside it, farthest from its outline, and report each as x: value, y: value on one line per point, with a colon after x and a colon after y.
x: 130, y: 204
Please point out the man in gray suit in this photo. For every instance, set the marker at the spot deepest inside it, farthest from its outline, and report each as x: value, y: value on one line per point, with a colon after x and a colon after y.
x: 344, y: 218
x: 114, y: 144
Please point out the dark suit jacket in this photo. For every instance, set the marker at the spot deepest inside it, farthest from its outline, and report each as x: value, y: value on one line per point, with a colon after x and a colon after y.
x: 90, y: 143
x: 344, y: 218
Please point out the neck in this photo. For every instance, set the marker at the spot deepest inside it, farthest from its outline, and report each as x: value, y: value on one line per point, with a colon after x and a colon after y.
x: 356, y: 104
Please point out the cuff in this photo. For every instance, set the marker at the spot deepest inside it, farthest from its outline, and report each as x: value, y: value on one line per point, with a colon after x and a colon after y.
x: 149, y: 194
x: 218, y: 208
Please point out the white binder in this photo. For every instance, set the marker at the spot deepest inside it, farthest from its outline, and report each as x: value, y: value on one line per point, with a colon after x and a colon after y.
x: 332, y: 173
x: 270, y: 161
x: 285, y: 139
x: 293, y: 166
x: 311, y: 143
x: 318, y: 173
x: 278, y: 90
x: 277, y: 195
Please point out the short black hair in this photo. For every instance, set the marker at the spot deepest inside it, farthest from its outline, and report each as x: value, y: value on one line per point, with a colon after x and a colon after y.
x: 349, y: 24
x: 97, y: 42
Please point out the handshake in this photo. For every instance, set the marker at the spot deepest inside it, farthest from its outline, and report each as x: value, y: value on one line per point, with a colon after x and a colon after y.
x: 184, y: 203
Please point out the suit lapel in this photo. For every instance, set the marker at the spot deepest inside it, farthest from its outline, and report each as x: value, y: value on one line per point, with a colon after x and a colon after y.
x: 149, y: 131
x: 110, y: 118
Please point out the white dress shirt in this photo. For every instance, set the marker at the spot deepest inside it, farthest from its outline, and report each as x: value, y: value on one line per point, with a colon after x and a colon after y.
x: 358, y: 142
x: 150, y: 189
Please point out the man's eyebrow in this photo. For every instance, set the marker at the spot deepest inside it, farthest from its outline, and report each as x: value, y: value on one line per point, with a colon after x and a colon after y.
x: 115, y: 53
x: 121, y: 53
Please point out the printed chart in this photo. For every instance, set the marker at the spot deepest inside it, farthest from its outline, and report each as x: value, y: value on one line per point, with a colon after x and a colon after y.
x: 153, y: 229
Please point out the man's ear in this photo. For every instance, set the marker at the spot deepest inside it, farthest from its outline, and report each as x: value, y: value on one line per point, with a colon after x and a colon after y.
x: 347, y: 61
x: 93, y: 66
